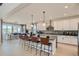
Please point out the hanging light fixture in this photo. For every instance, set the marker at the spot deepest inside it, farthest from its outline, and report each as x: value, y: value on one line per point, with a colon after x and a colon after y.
x: 44, y: 18
x: 31, y: 25
x: 32, y: 21
x: 44, y: 24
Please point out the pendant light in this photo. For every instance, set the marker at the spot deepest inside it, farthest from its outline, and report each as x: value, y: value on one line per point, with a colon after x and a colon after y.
x: 32, y: 21
x: 44, y: 24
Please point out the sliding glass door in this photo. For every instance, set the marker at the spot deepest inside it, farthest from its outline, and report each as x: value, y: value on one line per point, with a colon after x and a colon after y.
x: 9, y: 28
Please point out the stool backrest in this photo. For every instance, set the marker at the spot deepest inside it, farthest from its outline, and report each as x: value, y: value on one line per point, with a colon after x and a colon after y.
x: 44, y: 41
x: 22, y: 36
x: 34, y: 39
x: 27, y: 37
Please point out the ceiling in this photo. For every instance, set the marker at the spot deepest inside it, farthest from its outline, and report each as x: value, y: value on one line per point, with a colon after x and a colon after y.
x: 22, y: 12
x: 6, y: 8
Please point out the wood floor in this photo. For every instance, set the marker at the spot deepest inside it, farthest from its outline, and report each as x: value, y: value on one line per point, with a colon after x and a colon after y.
x: 15, y: 48
x: 66, y: 50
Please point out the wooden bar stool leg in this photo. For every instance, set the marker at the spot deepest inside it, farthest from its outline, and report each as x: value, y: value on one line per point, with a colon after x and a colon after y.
x: 28, y: 44
x: 36, y: 48
x: 44, y: 49
x: 40, y: 49
x: 24, y: 44
x: 51, y: 49
x: 31, y: 45
x: 48, y: 50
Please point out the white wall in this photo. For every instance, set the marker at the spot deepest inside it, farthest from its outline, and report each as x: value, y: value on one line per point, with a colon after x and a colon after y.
x: 66, y: 24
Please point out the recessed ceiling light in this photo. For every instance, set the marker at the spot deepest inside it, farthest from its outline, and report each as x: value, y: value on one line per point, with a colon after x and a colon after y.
x: 66, y: 6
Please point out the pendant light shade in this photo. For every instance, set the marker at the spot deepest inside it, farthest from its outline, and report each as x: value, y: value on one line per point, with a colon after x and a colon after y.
x: 31, y: 25
x: 44, y: 24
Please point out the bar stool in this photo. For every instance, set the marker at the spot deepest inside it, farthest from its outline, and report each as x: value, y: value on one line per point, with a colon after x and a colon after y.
x: 22, y: 37
x: 45, y: 42
x: 27, y: 39
x: 34, y: 40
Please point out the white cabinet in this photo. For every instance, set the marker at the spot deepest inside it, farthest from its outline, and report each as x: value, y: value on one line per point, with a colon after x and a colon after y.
x: 67, y: 39
x: 66, y: 24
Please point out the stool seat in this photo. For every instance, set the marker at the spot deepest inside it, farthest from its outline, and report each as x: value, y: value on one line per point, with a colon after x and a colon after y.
x: 49, y: 44
x: 37, y: 41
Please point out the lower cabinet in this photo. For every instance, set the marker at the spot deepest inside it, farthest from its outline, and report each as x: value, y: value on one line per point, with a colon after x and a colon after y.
x: 67, y: 39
